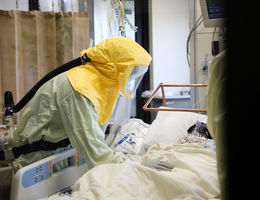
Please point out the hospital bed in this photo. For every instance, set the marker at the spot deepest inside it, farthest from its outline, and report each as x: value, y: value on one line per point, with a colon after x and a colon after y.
x: 40, y: 179
x: 194, y: 175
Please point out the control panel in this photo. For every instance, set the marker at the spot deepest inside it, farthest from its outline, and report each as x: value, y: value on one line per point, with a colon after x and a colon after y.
x: 37, y: 174
x: 44, y: 171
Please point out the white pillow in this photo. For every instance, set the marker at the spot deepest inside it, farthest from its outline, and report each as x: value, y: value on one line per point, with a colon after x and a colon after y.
x: 171, y: 126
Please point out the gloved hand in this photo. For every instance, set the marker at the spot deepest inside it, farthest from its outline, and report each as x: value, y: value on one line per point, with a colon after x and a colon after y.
x: 157, y: 164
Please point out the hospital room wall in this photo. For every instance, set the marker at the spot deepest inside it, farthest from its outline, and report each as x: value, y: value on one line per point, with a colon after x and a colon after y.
x: 169, y: 29
x: 200, y: 48
x: 170, y: 24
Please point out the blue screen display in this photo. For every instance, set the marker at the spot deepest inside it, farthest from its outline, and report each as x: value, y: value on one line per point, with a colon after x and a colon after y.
x: 216, y: 9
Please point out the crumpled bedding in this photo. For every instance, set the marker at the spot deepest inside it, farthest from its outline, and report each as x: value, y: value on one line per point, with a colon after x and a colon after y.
x: 194, y: 177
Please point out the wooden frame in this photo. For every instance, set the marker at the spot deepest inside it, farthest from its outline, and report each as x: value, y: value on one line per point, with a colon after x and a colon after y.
x: 161, y: 85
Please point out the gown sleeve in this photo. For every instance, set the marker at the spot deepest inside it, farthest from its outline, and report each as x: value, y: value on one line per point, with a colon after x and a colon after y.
x: 80, y: 120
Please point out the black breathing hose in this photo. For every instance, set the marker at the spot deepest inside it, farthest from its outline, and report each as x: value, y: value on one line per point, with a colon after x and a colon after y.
x: 74, y: 63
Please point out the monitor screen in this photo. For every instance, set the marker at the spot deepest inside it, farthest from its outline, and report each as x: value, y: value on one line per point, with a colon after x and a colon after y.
x: 213, y: 12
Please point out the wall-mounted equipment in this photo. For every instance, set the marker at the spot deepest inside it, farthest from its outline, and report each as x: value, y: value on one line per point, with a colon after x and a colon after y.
x: 213, y: 12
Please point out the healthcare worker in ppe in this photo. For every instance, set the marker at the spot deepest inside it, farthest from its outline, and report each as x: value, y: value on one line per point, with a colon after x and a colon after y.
x: 76, y: 103
x: 217, y: 117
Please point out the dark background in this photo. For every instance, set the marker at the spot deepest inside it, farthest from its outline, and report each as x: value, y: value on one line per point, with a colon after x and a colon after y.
x: 243, y: 99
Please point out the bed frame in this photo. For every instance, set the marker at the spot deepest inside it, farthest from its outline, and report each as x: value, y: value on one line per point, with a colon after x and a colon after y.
x: 161, y: 85
x: 39, y: 180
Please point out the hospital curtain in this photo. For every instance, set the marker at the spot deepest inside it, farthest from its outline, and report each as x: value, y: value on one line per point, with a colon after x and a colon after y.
x: 34, y: 43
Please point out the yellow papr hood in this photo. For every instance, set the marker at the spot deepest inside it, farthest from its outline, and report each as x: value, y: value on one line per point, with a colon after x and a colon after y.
x: 100, y: 80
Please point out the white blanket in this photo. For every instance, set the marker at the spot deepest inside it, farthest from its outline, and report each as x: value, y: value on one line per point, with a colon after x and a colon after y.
x: 194, y: 177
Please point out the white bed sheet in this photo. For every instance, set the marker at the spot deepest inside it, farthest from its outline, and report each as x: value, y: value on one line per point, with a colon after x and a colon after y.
x: 194, y: 177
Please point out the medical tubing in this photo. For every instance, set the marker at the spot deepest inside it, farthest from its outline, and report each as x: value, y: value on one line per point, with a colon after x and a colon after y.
x: 74, y: 63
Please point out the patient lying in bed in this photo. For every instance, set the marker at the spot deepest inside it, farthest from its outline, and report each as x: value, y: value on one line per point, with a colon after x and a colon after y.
x: 194, y: 175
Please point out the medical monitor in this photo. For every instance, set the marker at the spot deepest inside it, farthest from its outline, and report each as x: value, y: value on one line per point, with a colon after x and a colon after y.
x: 213, y: 12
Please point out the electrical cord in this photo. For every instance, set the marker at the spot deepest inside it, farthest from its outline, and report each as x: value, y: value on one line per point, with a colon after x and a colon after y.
x: 196, y: 25
x: 214, y: 33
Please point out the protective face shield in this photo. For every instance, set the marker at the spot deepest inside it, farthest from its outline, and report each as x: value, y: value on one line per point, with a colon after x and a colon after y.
x: 135, y: 79
x: 106, y: 76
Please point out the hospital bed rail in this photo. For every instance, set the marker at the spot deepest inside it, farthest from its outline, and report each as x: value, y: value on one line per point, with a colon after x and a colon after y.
x: 39, y: 179
x: 165, y: 108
